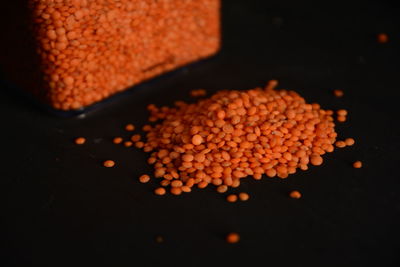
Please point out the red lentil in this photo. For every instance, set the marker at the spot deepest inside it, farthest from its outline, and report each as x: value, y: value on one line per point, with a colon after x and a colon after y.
x: 130, y: 127
x: 232, y: 238
x: 80, y: 140
x: 128, y: 143
x: 357, y: 164
x: 160, y: 191
x: 144, y: 178
x: 341, y: 118
x: 244, y: 196
x: 341, y: 144
x: 349, y: 141
x: 109, y: 163
x: 117, y: 140
x: 232, y: 198
x: 295, y: 194
x: 382, y: 38
x: 135, y: 138
x: 198, y: 92
x: 159, y: 239
x: 338, y: 93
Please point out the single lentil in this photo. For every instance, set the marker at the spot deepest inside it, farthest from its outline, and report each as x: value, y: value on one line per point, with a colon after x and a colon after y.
x: 130, y: 127
x: 80, y: 140
x: 357, y: 164
x: 232, y: 238
x: 109, y: 163
x: 349, y: 141
x: 338, y: 93
x: 128, y: 143
x: 232, y: 198
x: 295, y: 194
x: 160, y: 191
x: 117, y: 140
x: 244, y: 196
x: 382, y: 38
x: 144, y: 178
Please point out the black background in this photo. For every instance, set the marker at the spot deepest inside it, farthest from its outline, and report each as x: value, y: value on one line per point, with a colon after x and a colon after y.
x: 63, y: 208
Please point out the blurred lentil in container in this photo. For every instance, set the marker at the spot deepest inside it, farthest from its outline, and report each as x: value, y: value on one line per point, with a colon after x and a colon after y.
x: 89, y: 50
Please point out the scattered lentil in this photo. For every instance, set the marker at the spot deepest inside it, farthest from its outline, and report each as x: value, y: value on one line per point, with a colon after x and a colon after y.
x: 295, y: 194
x: 130, y: 127
x: 232, y: 238
x: 128, y: 143
x: 198, y: 93
x: 357, y: 164
x: 244, y: 196
x: 144, y: 178
x: 349, y: 141
x: 338, y: 93
x: 117, y: 140
x: 159, y: 239
x: 382, y: 38
x: 80, y: 140
x: 341, y: 144
x: 109, y: 163
x: 232, y: 198
x: 160, y: 191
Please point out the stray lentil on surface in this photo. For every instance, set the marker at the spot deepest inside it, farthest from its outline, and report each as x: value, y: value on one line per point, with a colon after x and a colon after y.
x: 382, y: 38
x: 338, y: 93
x: 244, y: 196
x: 357, y: 164
x: 109, y: 163
x: 232, y: 238
x: 144, y: 178
x: 117, y: 140
x: 295, y: 194
x: 80, y: 140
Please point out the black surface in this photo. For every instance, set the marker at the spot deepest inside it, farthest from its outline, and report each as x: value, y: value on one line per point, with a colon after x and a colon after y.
x: 63, y: 209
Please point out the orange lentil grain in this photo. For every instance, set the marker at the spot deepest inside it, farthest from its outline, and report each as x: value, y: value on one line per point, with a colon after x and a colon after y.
x: 80, y: 140
x: 135, y: 138
x: 295, y: 194
x: 130, y: 127
x: 109, y: 163
x: 349, y: 141
x: 117, y: 140
x: 159, y: 239
x: 244, y: 196
x: 382, y: 38
x: 144, y: 178
x: 232, y: 238
x: 160, y: 191
x: 357, y: 164
x: 342, y: 112
x: 341, y: 118
x: 128, y: 143
x: 232, y: 198
x: 338, y: 93
x: 340, y: 144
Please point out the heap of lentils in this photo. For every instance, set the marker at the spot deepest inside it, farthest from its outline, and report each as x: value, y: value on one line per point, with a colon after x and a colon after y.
x: 235, y: 134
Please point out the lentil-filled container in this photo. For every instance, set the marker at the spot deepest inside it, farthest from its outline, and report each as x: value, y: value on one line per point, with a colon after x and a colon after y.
x: 73, y: 53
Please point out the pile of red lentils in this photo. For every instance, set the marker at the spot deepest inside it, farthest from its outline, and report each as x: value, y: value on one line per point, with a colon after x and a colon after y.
x: 233, y: 135
x: 91, y: 49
